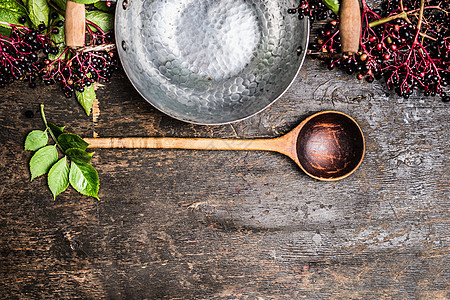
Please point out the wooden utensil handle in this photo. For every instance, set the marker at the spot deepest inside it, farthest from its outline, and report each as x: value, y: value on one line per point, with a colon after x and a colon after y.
x: 186, y: 143
x: 350, y: 25
x: 75, y: 21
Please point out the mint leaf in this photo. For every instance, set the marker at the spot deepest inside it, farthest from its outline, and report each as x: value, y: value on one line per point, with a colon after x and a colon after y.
x: 70, y: 140
x: 82, y: 176
x: 57, y: 131
x: 86, y: 98
x: 102, y: 19
x: 84, y: 179
x: 42, y: 160
x: 38, y: 11
x: 58, y: 177
x: 59, y: 39
x: 36, y: 140
x: 85, y: 1
x: 78, y: 155
x: 102, y: 6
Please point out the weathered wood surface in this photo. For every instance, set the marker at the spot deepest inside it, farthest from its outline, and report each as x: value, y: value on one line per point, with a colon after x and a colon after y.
x: 179, y: 224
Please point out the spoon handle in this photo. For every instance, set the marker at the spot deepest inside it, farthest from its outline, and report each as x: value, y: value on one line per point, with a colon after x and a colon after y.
x: 275, y: 144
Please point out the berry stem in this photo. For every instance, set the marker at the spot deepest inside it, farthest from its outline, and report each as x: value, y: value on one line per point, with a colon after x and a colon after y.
x: 104, y: 47
x: 14, y: 25
x: 95, y: 26
x: 49, y: 129
x: 403, y: 15
x: 419, y: 23
x: 429, y: 7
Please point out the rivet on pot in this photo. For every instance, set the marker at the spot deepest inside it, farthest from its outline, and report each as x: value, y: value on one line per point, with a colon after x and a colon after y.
x: 125, y: 4
x: 299, y: 50
x: 124, y: 45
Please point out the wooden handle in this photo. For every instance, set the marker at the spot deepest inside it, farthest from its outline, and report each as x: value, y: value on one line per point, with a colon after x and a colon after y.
x: 186, y: 143
x: 350, y: 25
x: 75, y: 24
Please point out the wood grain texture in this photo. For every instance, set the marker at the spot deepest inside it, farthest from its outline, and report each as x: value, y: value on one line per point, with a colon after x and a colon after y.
x: 185, y: 224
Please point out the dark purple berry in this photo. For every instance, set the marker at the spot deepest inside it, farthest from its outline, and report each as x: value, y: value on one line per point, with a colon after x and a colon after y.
x: 29, y: 114
x: 369, y: 79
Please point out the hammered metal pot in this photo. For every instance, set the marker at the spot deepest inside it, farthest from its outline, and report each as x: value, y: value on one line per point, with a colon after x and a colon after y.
x: 210, y: 61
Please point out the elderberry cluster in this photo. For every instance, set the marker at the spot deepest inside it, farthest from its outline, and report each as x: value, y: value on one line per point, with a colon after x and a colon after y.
x: 80, y: 71
x: 24, y: 55
x: 312, y: 9
x: 19, y: 54
x: 408, y: 51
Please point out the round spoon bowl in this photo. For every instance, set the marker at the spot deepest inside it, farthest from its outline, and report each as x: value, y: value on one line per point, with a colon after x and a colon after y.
x: 330, y: 146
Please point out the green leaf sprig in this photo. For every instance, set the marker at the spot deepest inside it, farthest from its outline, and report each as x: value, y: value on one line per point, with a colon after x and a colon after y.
x: 79, y: 173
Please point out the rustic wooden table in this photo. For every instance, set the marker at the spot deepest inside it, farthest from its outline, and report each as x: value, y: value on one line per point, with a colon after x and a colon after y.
x: 175, y: 224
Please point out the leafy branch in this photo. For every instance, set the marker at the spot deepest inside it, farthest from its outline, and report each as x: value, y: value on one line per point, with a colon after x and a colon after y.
x: 77, y: 171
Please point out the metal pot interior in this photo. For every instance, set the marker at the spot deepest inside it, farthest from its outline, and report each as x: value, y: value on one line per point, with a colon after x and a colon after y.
x: 210, y: 61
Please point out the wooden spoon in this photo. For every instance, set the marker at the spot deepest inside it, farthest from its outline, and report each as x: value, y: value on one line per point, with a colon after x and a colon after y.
x: 328, y: 145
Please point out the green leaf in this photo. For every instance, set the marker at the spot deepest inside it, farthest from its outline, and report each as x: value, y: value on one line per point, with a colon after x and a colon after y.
x: 59, y: 38
x: 70, y: 140
x: 78, y: 155
x: 57, y: 131
x: 102, y: 19
x: 85, y: 1
x: 5, y: 31
x: 333, y: 5
x: 61, y: 4
x: 102, y: 6
x: 10, y: 12
x: 38, y: 11
x: 84, y: 179
x: 86, y: 98
x: 13, y: 6
x: 58, y: 177
x: 42, y: 160
x: 36, y: 140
